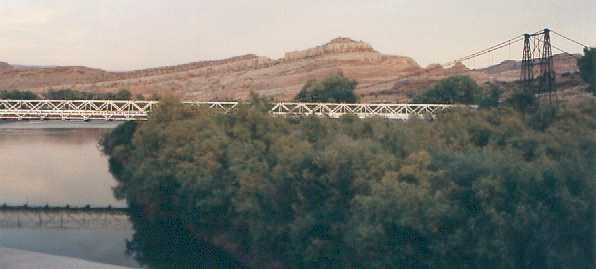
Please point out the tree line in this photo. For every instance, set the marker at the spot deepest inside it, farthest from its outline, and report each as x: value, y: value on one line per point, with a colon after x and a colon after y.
x: 492, y: 188
x: 68, y: 94
x: 587, y: 67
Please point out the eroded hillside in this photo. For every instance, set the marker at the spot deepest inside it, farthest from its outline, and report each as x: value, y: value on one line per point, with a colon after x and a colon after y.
x: 381, y: 77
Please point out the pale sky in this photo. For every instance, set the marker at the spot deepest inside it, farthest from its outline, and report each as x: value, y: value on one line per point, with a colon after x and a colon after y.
x: 133, y: 34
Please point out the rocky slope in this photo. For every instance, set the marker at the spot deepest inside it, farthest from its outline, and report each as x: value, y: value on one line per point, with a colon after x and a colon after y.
x: 381, y: 77
x: 505, y: 72
x: 5, y: 67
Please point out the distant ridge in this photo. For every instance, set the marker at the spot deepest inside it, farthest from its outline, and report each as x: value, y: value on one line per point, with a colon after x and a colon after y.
x: 381, y: 77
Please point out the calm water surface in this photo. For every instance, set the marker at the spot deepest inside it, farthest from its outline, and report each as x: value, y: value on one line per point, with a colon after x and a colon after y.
x: 59, y: 163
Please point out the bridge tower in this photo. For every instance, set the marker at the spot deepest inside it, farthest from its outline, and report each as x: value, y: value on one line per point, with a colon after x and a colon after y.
x: 538, y: 51
x: 547, y: 70
x: 527, y: 67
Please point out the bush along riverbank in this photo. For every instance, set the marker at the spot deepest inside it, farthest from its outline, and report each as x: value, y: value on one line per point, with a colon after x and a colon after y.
x: 473, y: 189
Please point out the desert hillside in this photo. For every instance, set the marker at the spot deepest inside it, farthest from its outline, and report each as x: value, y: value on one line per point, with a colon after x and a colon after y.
x: 381, y: 77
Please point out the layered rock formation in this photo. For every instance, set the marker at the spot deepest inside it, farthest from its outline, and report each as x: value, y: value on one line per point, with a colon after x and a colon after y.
x: 336, y: 46
x: 381, y: 77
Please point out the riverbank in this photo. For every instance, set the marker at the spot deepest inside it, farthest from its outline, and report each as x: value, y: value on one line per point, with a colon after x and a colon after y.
x: 20, y: 259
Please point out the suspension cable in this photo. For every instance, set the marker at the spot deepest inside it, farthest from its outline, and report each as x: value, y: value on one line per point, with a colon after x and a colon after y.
x: 509, y: 43
x: 540, y: 41
x: 570, y: 39
x: 488, y: 50
x: 560, y: 50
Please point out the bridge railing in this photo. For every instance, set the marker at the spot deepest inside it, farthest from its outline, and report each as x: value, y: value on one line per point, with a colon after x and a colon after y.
x: 140, y: 110
x: 334, y: 110
x: 75, y: 109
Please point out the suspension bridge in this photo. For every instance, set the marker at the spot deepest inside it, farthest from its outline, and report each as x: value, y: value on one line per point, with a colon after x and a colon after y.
x: 537, y: 72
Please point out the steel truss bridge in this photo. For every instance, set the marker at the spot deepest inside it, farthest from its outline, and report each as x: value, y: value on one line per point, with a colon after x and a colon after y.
x: 140, y: 110
x: 50, y: 217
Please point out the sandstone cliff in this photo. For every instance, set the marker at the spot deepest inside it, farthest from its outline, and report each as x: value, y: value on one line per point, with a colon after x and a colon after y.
x: 336, y: 46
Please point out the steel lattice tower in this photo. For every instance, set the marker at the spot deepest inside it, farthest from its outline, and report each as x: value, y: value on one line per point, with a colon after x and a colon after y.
x: 547, y: 70
x: 538, y: 51
x: 527, y: 67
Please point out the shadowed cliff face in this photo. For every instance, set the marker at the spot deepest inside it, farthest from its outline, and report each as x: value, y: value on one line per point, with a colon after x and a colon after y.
x: 381, y: 77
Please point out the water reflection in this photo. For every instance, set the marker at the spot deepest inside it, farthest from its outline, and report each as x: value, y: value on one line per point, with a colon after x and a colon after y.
x: 59, y: 163
x: 56, y: 166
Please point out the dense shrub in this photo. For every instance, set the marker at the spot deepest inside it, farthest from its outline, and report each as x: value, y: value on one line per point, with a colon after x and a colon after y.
x: 452, y: 90
x: 587, y: 67
x: 472, y: 189
x: 523, y: 100
x: 70, y: 94
x: 491, y: 98
x: 333, y: 89
x: 18, y: 95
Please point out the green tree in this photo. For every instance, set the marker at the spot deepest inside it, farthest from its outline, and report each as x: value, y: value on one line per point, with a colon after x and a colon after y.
x: 18, y: 95
x: 587, y: 67
x: 333, y: 89
x: 452, y: 90
x: 490, y: 188
x: 139, y: 97
x: 492, y: 98
x: 67, y: 94
x: 122, y: 94
x: 70, y: 94
x: 522, y: 100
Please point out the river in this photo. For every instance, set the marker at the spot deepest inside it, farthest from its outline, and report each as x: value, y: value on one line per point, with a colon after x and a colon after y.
x: 59, y: 163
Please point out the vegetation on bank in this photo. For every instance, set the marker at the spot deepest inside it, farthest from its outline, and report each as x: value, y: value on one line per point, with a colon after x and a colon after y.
x: 68, y: 94
x: 18, y: 95
x: 587, y: 67
x: 460, y: 90
x: 453, y: 90
x: 333, y: 89
x: 474, y: 189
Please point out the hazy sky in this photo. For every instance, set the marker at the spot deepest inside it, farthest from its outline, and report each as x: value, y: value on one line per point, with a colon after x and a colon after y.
x: 131, y: 34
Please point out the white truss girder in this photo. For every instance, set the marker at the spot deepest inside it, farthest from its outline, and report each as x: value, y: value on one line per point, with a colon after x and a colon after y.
x: 390, y: 111
x: 139, y: 110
